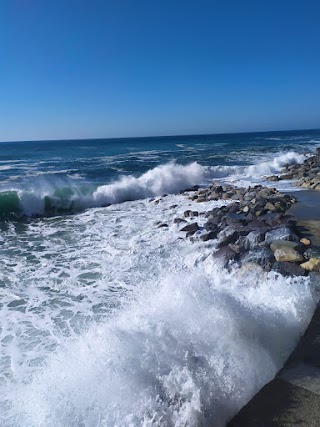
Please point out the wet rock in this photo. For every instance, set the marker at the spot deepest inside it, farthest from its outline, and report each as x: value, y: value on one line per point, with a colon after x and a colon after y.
x: 163, y: 226
x: 228, y: 235
x: 287, y: 254
x: 250, y: 273
x: 312, y: 253
x: 273, y: 178
x: 288, y: 269
x: 178, y: 220
x: 312, y: 265
x: 191, y: 227
x: 280, y: 244
x: 225, y: 255
x: 281, y: 233
x: 208, y: 236
x: 253, y: 239
x: 261, y: 256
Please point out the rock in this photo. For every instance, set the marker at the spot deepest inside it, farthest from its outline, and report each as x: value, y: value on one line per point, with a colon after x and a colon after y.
x: 208, y: 236
x: 250, y: 274
x: 261, y: 256
x: 281, y: 233
x: 280, y: 244
x: 238, y: 248
x: 228, y: 235
x: 288, y: 269
x: 253, y: 239
x: 187, y: 213
x: 305, y: 241
x: 178, y: 220
x: 287, y: 254
x: 245, y: 209
x: 312, y: 265
x: 201, y: 199
x: 163, y: 226
x: 273, y: 178
x: 312, y: 253
x: 225, y: 255
x: 191, y: 227
x: 270, y: 206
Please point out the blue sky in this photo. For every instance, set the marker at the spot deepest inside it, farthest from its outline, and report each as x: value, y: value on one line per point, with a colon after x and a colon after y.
x: 100, y: 68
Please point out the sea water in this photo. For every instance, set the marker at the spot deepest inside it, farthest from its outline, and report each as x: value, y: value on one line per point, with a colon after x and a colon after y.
x: 107, y: 319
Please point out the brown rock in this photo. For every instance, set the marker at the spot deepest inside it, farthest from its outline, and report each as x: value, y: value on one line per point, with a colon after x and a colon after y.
x: 305, y: 241
x: 312, y: 265
x: 287, y: 254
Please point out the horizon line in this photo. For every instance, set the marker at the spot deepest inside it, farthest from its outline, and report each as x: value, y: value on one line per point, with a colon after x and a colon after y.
x: 160, y: 136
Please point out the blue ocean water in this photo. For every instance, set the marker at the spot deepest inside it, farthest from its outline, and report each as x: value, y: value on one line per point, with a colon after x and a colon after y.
x: 107, y: 319
x: 65, y: 174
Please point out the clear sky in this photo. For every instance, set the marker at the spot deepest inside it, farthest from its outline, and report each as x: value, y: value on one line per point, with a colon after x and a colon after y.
x: 109, y: 68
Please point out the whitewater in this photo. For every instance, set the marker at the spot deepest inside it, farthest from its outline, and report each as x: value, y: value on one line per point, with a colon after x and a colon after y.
x: 108, y: 317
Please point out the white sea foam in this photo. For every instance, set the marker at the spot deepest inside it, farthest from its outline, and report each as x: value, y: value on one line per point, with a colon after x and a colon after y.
x: 169, y: 178
x: 122, y: 323
x: 164, y: 179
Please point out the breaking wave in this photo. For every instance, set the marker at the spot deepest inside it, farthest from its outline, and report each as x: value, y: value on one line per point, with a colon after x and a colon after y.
x: 61, y: 197
x: 189, y: 351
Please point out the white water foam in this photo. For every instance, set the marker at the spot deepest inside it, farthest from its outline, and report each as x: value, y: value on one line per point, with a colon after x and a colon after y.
x: 122, y: 323
x: 169, y: 178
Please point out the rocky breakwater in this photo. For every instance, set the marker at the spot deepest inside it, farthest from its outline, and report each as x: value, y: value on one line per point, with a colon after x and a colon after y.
x: 253, y: 228
x: 306, y: 175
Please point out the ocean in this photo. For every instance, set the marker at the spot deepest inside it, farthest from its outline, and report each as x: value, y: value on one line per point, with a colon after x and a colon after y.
x: 107, y: 319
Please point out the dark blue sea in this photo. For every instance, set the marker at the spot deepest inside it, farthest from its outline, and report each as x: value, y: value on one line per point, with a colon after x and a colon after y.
x: 107, y: 319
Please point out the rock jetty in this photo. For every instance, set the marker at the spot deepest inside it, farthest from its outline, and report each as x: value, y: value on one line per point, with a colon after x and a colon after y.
x: 253, y: 227
x: 306, y: 175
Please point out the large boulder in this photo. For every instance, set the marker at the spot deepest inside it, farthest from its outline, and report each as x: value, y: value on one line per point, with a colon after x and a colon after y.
x: 261, y: 256
x: 287, y: 254
x: 227, y: 235
x: 225, y: 255
x: 191, y: 228
x: 288, y: 269
x: 281, y: 233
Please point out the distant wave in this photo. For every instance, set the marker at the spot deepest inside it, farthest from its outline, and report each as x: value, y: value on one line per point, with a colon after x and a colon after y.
x: 61, y: 197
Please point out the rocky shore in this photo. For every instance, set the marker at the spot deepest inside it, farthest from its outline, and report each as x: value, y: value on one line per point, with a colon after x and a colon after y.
x: 254, y: 227
x: 306, y: 175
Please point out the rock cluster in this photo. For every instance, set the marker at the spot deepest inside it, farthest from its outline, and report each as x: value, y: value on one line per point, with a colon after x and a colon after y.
x: 306, y: 174
x: 253, y: 227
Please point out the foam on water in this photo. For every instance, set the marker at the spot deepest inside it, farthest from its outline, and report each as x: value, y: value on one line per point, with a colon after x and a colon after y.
x: 52, y: 194
x: 111, y: 321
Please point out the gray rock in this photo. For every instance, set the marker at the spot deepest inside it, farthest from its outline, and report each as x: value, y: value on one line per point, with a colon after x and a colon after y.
x: 288, y: 269
x: 191, y: 227
x: 253, y: 239
x: 261, y: 256
x: 208, y: 236
x: 227, y: 235
x: 225, y: 255
x: 281, y: 233
x: 178, y: 220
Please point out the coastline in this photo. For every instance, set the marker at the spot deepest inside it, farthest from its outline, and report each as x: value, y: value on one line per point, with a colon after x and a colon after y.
x: 293, y: 396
